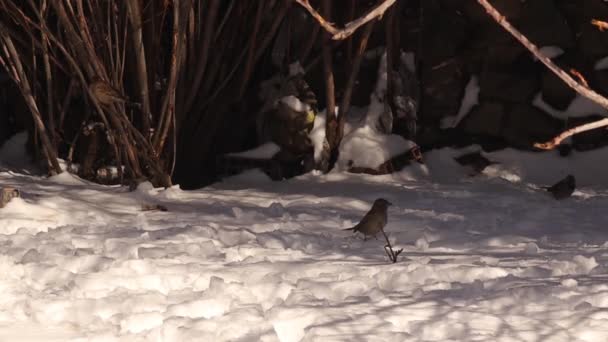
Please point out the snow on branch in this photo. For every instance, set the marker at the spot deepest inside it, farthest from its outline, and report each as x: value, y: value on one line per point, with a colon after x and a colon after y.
x: 351, y: 27
x: 571, y: 82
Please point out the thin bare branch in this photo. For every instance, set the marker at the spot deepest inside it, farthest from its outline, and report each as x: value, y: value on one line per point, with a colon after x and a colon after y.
x: 24, y: 85
x: 351, y: 27
x: 572, y: 131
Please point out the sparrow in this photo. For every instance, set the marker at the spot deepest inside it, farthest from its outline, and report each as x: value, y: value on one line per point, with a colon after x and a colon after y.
x: 562, y: 189
x: 375, y: 219
x: 106, y: 94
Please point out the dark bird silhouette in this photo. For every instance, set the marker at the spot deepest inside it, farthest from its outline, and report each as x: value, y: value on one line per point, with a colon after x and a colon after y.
x: 563, y: 189
x: 375, y: 219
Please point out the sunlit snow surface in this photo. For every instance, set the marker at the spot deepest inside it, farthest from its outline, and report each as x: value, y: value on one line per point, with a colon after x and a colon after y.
x: 488, y: 258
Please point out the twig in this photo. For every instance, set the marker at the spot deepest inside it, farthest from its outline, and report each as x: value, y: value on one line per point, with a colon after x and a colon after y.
x: 571, y: 82
x: 580, y: 77
x: 600, y: 24
x: 351, y: 27
x: 388, y: 248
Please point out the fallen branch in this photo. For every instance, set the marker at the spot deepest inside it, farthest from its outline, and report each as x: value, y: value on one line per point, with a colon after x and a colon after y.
x: 351, y: 27
x: 571, y: 82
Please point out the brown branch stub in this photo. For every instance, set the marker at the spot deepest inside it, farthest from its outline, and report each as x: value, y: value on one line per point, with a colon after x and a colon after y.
x: 600, y: 24
x: 351, y: 27
x: 580, y: 77
x: 329, y: 27
x: 388, y: 248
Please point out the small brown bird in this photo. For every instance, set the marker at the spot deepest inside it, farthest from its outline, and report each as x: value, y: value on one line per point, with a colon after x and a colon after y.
x: 563, y: 189
x: 375, y: 219
x: 106, y: 94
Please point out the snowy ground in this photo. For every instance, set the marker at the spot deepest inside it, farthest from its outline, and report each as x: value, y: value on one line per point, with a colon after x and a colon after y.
x: 489, y: 258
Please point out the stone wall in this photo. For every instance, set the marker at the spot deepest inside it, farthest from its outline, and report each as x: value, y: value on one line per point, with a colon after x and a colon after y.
x: 458, y: 41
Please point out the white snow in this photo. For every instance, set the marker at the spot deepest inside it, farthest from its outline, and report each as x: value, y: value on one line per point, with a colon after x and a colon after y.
x: 469, y: 100
x: 409, y: 59
x: 264, y: 151
x: 364, y: 147
x: 295, y: 103
x: 601, y: 64
x: 364, y: 143
x: 317, y: 134
x: 579, y: 107
x: 485, y: 258
x: 296, y: 69
x: 551, y: 51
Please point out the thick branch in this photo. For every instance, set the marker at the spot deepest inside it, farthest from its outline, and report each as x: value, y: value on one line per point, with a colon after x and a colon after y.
x: 571, y: 82
x: 328, y: 76
x: 135, y: 18
x: 351, y: 27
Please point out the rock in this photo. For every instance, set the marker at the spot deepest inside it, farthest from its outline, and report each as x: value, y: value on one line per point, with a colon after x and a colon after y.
x: 7, y: 194
x: 544, y: 25
x: 442, y: 36
x: 484, y: 119
x: 508, y: 87
x: 554, y: 91
x: 600, y: 81
x: 526, y: 125
x: 443, y: 90
x: 591, y: 42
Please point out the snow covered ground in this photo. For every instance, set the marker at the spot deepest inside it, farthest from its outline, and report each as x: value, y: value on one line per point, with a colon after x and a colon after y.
x: 486, y: 258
